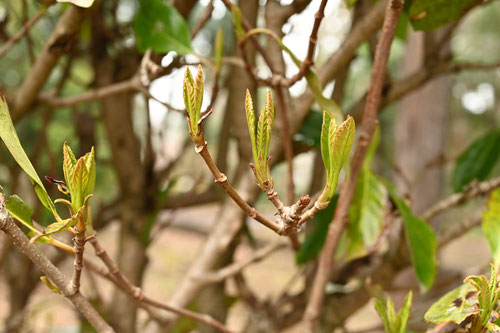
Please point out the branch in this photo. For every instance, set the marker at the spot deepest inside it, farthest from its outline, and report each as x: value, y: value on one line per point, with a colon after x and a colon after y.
x: 315, y: 303
x: 203, y: 19
x: 17, y: 237
x: 60, y: 42
x: 473, y: 190
x: 14, y: 39
x: 237, y: 267
x: 313, y: 38
x: 136, y: 293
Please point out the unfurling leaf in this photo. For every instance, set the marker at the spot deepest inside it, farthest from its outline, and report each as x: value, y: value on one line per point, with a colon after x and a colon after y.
x: 192, y: 91
x: 262, y: 140
x: 9, y: 137
x: 336, y: 144
x: 394, y: 322
x: 488, y: 293
x: 80, y: 175
x: 49, y: 284
x: 219, y: 49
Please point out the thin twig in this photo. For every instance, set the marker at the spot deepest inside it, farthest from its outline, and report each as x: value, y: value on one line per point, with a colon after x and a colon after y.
x: 313, y: 39
x: 14, y: 39
x: 473, y: 190
x: 221, y: 179
x: 19, y: 239
x: 314, y: 306
x: 458, y: 230
x: 207, y: 13
x: 78, y: 249
x: 140, y: 298
x: 237, y: 267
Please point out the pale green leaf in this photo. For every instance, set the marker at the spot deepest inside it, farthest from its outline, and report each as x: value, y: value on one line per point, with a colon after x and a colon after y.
x: 340, y: 148
x: 237, y: 19
x: 80, y: 182
x: 9, y: 137
x: 198, y: 93
x: 404, y: 313
x: 491, y: 224
x: 269, y: 113
x: 52, y: 287
x: 69, y: 163
x: 325, y: 145
x: 89, y: 159
x: 20, y: 211
x: 251, y: 122
x: 455, y: 306
x: 219, y: 49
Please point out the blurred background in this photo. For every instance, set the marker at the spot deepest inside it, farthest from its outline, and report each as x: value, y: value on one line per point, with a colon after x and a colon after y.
x: 156, y: 206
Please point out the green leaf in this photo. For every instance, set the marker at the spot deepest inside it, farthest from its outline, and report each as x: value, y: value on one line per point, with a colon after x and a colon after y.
x: 69, y: 164
x: 488, y: 293
x: 79, y: 3
x: 431, y: 14
x: 219, y: 49
x: 58, y: 226
x: 328, y: 122
x: 366, y: 213
x: 238, y: 21
x: 80, y: 182
x: 394, y: 322
x: 340, y: 148
x: 421, y: 240
x: 269, y: 114
x: 477, y: 161
x: 52, y: 287
x: 251, y: 122
x: 198, y: 92
x: 89, y: 159
x: 20, y: 210
x: 9, y: 137
x: 314, y: 242
x: 491, y: 225
x: 455, y: 306
x: 159, y: 26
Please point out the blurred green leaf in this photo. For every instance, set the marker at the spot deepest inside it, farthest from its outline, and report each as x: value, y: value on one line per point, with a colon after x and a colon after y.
x: 421, y: 240
x: 310, y: 132
x: 314, y: 242
x: 491, y: 225
x: 52, y: 287
x: 20, y: 210
x: 477, y: 161
x: 394, y: 322
x: 454, y: 306
x: 159, y: 26
x: 431, y: 14
x: 366, y: 213
x: 219, y: 49
x: 9, y: 137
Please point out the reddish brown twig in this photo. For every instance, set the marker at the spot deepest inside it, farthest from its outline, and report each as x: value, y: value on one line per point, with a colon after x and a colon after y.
x: 369, y: 122
x: 121, y: 281
x: 313, y: 38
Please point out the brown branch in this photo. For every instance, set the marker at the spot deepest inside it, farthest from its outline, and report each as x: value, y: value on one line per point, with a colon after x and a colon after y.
x: 24, y: 30
x: 78, y: 249
x: 19, y: 239
x: 473, y: 190
x: 313, y: 38
x: 221, y: 179
x: 136, y: 292
x: 458, y: 230
x: 207, y: 13
x: 315, y: 303
x: 237, y: 267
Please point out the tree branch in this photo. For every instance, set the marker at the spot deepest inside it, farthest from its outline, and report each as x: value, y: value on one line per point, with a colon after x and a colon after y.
x: 17, y: 237
x: 314, y: 305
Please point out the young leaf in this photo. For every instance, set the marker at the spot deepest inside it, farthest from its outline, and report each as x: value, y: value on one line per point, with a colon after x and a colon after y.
x: 80, y: 182
x: 394, y: 322
x: 421, y: 240
x: 269, y: 113
x: 488, y: 293
x: 69, y: 164
x: 159, y: 26
x: 189, y: 101
x: 198, y: 92
x: 251, y: 122
x: 89, y: 159
x: 491, y: 225
x: 9, y: 137
x: 219, y: 49
x: 455, y: 306
x: 477, y: 161
x: 20, y: 211
x: 325, y: 141
x: 238, y: 24
x: 340, y: 147
x: 52, y: 287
